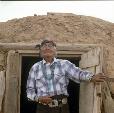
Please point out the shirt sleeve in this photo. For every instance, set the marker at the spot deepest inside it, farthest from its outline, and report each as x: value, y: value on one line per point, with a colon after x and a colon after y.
x: 31, y: 86
x: 77, y: 74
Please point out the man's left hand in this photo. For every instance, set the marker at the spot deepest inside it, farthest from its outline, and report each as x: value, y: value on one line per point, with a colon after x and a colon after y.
x: 100, y: 77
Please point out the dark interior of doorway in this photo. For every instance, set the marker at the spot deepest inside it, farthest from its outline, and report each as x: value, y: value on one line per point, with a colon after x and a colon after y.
x: 29, y: 106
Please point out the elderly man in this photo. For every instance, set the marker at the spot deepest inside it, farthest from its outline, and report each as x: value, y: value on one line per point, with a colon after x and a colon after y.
x: 48, y: 79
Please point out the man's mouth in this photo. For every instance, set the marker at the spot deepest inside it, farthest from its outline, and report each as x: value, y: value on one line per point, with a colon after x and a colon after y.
x: 47, y: 51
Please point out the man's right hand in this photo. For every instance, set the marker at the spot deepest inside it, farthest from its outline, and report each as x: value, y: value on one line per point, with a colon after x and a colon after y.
x: 45, y: 99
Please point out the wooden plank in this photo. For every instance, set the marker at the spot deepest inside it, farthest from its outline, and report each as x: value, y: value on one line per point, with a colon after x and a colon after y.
x: 70, y: 52
x: 2, y: 55
x: 97, y: 103
x: 2, y: 87
x: 17, y: 46
x: 90, y: 59
x: 36, y: 52
x: 77, y: 47
x: 107, y: 99
x: 110, y: 79
x: 86, y: 97
x: 90, y: 102
x: 65, y: 54
x: 92, y: 69
x: 11, y: 100
x: 86, y: 103
x: 69, y: 56
x: 60, y: 46
x: 11, y: 96
x: 97, y: 93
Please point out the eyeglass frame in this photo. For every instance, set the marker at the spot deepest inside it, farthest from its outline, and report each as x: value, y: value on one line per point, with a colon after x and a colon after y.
x: 49, y: 45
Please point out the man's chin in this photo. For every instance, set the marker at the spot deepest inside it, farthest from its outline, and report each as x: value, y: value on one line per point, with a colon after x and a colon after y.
x: 48, y: 55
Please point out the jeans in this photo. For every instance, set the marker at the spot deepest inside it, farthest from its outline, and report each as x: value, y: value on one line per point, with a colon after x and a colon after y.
x: 46, y: 109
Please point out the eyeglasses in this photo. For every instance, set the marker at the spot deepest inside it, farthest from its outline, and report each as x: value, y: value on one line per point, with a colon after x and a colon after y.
x: 47, y: 45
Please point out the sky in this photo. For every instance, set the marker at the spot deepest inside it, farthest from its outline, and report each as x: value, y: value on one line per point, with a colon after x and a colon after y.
x: 18, y: 9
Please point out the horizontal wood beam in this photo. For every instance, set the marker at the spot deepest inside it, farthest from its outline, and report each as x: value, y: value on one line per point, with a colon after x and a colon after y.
x: 60, y: 46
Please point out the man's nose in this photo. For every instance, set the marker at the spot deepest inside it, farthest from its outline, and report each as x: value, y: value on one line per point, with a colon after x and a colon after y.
x: 47, y: 47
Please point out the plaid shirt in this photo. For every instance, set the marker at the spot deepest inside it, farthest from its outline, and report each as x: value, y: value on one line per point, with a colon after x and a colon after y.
x: 48, y: 83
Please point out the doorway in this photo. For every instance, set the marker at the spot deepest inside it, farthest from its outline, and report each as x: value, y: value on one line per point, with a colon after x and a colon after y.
x: 29, y: 106
x: 91, y: 58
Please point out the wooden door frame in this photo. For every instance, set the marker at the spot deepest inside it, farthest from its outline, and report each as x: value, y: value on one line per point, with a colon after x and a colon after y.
x: 67, y: 50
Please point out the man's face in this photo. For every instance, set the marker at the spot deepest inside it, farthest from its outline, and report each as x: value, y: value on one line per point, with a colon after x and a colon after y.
x: 48, y: 50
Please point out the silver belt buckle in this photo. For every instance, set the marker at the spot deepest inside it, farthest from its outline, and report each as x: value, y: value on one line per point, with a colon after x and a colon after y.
x: 54, y: 103
x: 64, y: 101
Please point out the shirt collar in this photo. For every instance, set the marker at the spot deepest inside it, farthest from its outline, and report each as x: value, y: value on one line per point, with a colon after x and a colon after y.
x: 55, y: 60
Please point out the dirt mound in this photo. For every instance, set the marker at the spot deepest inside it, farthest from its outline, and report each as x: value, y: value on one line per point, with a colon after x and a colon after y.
x: 59, y: 26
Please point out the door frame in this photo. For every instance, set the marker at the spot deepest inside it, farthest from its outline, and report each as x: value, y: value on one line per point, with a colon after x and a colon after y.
x: 64, y: 50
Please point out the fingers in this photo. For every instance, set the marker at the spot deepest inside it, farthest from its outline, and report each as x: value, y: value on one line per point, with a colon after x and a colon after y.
x: 100, y: 77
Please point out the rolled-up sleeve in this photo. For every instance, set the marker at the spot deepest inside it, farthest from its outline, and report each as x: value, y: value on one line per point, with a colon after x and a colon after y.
x: 31, y: 85
x: 76, y: 74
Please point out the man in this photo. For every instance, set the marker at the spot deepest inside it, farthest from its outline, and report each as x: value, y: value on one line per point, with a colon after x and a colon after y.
x: 48, y: 80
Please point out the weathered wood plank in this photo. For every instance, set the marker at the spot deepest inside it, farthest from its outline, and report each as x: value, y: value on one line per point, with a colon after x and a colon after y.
x: 2, y: 87
x: 90, y: 59
x: 97, y: 94
x: 86, y: 90
x: 36, y: 52
x: 86, y: 97
x: 60, y: 46
x: 11, y: 96
x: 2, y: 59
x: 110, y: 79
x: 72, y: 54
x: 107, y: 99
x: 89, y: 99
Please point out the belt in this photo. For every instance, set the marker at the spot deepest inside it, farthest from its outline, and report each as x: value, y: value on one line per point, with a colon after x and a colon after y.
x: 58, y: 102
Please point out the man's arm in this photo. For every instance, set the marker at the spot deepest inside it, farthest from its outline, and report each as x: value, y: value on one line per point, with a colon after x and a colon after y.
x: 77, y: 74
